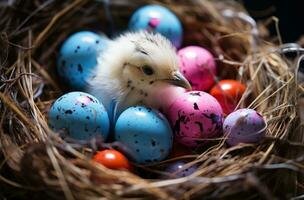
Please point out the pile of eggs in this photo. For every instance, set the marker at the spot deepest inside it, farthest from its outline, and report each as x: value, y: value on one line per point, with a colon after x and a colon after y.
x: 193, y: 120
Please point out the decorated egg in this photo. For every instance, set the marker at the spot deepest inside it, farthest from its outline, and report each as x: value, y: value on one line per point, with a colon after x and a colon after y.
x: 228, y: 93
x: 198, y: 66
x: 244, y: 126
x: 159, y: 19
x: 112, y: 159
x: 78, y: 57
x: 180, y: 169
x: 146, y: 134
x: 195, y: 117
x: 80, y: 115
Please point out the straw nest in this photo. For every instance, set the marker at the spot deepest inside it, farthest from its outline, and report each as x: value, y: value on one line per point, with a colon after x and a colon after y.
x: 36, y: 163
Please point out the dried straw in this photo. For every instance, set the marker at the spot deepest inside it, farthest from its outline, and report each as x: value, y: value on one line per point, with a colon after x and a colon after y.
x: 36, y: 162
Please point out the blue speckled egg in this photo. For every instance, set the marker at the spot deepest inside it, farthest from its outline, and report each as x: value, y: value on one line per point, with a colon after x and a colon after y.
x: 159, y: 19
x: 78, y: 57
x: 146, y: 134
x: 244, y: 126
x: 179, y: 169
x: 80, y: 115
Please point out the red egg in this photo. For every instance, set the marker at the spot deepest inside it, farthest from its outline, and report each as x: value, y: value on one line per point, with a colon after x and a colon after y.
x: 112, y: 159
x: 228, y: 93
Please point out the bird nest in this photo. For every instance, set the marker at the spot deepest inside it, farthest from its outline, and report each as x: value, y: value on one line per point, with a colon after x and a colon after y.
x: 36, y: 163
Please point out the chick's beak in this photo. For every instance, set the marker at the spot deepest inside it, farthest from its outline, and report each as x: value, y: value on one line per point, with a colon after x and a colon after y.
x: 179, y: 80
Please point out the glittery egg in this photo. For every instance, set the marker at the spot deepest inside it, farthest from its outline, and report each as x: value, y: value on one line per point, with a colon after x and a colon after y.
x: 244, y: 126
x: 159, y: 19
x: 79, y: 115
x: 228, y: 93
x: 146, y: 134
x: 78, y: 57
x: 195, y: 117
x: 198, y: 66
x: 180, y: 169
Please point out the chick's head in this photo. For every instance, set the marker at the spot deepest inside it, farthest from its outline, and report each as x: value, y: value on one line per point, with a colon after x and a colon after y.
x: 149, y: 58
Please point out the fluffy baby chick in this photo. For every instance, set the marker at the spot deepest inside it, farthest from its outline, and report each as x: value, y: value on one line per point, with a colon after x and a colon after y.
x: 133, y: 68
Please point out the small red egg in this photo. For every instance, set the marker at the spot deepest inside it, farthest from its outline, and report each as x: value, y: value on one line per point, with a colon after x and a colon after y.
x: 228, y: 93
x: 112, y: 159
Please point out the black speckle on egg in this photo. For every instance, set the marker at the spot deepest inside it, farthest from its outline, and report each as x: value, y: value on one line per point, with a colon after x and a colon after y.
x: 137, y: 150
x: 146, y: 94
x: 57, y: 117
x: 91, y: 99
x: 195, y: 93
x: 142, y: 80
x: 184, y: 71
x: 149, y: 109
x: 76, y: 51
x: 162, y: 151
x: 86, y: 128
x: 134, y: 135
x: 68, y: 112
x: 71, y: 65
x: 78, y: 47
x: 155, y: 160
x: 153, y: 143
x: 136, y: 142
x: 87, y: 117
x: 151, y: 82
x: 97, y: 41
x: 200, y: 126
x: 139, y: 109
x: 148, y: 161
x: 195, y: 106
x: 141, y: 92
x: 79, y: 67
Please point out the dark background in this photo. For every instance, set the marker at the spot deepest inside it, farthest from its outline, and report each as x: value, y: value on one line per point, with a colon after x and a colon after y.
x: 289, y: 12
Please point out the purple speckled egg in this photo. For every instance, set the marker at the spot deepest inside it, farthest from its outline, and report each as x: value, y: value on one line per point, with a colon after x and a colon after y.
x: 198, y: 66
x: 179, y: 169
x: 244, y: 126
x: 195, y: 117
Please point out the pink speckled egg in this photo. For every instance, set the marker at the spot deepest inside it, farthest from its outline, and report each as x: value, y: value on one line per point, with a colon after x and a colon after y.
x: 244, y: 126
x: 195, y: 117
x: 198, y: 66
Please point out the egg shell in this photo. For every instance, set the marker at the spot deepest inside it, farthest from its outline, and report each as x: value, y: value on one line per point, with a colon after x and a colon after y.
x: 244, y: 126
x: 78, y: 57
x: 159, y: 19
x: 179, y: 169
x: 80, y: 115
x: 228, y: 93
x: 146, y: 134
x: 198, y: 66
x: 195, y: 117
x: 112, y: 159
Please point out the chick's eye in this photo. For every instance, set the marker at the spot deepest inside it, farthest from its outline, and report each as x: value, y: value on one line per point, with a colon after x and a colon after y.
x: 147, y: 70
